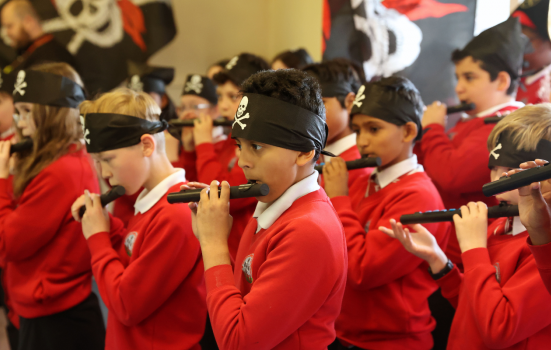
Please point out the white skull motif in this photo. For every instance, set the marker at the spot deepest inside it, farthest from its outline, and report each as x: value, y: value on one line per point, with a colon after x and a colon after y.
x: 194, y: 84
x: 135, y: 84
x: 85, y: 132
x: 20, y: 83
x: 232, y: 63
x: 240, y: 110
x: 98, y: 21
x: 360, y: 96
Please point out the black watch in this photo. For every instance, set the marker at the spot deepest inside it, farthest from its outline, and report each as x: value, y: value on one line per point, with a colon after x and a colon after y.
x: 443, y: 272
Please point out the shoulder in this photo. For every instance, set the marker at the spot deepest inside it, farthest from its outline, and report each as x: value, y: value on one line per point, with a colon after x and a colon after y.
x: 414, y: 188
x: 72, y: 163
x: 178, y: 214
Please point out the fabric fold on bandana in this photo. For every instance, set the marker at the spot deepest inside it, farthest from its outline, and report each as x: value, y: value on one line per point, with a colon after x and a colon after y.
x: 278, y: 123
x: 47, y: 89
x: 109, y: 131
x: 505, y: 152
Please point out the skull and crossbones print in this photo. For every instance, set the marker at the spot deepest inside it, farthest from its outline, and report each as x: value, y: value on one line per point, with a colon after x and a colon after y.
x: 85, y: 132
x: 493, y: 152
x: 194, y: 84
x: 20, y: 83
x: 359, y: 97
x: 240, y: 111
x: 135, y: 84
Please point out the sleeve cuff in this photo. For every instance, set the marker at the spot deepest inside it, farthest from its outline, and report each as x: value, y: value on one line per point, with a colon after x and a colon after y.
x: 450, y: 283
x: 219, y: 276
x: 541, y: 253
x: 98, y: 242
x: 475, y: 257
x: 204, y: 148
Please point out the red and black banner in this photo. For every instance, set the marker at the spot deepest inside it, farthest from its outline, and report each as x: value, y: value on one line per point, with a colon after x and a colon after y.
x: 413, y: 38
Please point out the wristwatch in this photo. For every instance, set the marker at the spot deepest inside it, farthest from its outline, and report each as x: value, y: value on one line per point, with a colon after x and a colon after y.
x: 443, y: 272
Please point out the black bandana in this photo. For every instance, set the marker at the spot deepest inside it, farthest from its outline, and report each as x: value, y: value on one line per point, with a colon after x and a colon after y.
x: 46, y: 89
x: 6, y: 82
x: 505, y: 152
x: 109, y: 131
x: 278, y: 123
x: 374, y: 101
x: 537, y: 12
x: 336, y: 88
x: 155, y: 79
x: 238, y: 69
x: 202, y: 87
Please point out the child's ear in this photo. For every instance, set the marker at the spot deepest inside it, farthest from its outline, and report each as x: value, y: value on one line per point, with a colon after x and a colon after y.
x: 148, y: 145
x: 305, y: 157
x: 410, y: 132
x: 503, y: 81
x: 349, y: 101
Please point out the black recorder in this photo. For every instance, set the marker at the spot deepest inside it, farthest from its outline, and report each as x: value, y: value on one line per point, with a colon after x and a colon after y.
x: 515, y: 181
x: 241, y: 191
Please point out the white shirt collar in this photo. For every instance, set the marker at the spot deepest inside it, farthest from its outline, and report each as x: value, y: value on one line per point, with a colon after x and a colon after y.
x: 390, y: 174
x: 518, y: 227
x: 494, y: 109
x: 339, y: 146
x: 147, y: 199
x: 8, y: 132
x: 532, y: 78
x: 266, y: 216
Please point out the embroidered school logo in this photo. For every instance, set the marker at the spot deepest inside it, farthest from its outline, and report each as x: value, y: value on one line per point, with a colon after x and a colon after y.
x: 85, y: 132
x: 129, y: 242
x: 194, y: 84
x: 247, y: 269
x: 240, y: 110
x: 20, y: 83
x: 493, y: 152
x: 135, y: 84
x: 232, y: 63
x: 360, y: 96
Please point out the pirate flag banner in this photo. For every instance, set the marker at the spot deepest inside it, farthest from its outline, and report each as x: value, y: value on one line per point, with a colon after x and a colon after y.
x: 412, y: 38
x: 104, y: 35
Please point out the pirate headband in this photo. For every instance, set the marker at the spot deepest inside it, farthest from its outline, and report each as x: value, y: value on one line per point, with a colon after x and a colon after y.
x: 506, y: 154
x: 334, y: 88
x: 46, y: 89
x: 109, y: 131
x: 202, y: 87
x: 278, y: 123
x: 386, y: 105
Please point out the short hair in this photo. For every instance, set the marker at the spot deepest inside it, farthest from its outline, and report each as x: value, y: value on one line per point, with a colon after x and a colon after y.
x: 335, y: 71
x: 129, y: 102
x: 296, y: 59
x: 527, y: 126
x: 289, y: 85
x: 459, y: 55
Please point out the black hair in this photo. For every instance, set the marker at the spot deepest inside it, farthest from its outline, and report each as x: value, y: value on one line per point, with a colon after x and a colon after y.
x: 289, y: 85
x: 296, y: 59
x: 459, y: 55
x: 221, y: 63
x: 335, y: 71
x: 255, y: 62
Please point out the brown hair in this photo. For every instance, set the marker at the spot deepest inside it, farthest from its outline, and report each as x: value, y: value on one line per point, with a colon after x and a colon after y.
x: 527, y: 126
x: 57, y: 128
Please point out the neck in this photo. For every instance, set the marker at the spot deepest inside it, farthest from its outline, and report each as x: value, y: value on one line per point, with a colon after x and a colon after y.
x: 406, y: 154
x: 340, y: 136
x: 160, y: 169
x: 496, y: 102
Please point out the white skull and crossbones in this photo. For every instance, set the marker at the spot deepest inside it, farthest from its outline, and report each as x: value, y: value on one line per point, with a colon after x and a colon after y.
x: 20, y: 83
x: 232, y: 63
x: 85, y: 132
x: 240, y: 110
x: 493, y: 153
x: 135, y: 84
x: 360, y: 96
x: 194, y: 84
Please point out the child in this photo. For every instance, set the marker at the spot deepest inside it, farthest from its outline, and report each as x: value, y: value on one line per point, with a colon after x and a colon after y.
x: 290, y: 272
x: 150, y: 274
x: 487, y: 76
x: 7, y: 109
x: 216, y: 68
x: 296, y: 59
x: 220, y: 162
x: 198, y: 97
x: 500, y: 299
x: 385, y: 303
x: 339, y: 83
x: 535, y: 85
x: 47, y: 264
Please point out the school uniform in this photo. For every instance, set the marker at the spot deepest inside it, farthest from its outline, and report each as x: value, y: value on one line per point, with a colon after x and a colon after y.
x: 150, y: 275
x: 457, y: 162
x: 48, y: 273
x: 219, y: 162
x: 542, y: 255
x: 500, y: 299
x: 289, y: 278
x: 346, y: 149
x: 385, y: 304
x: 8, y: 134
x: 535, y: 88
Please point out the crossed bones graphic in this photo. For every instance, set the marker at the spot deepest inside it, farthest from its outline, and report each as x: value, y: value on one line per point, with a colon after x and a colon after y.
x: 359, y: 97
x: 495, y: 149
x: 240, y: 110
x: 20, y: 84
x: 85, y: 131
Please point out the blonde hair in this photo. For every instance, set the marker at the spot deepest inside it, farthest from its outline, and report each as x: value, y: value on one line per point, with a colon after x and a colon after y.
x: 527, y: 127
x: 57, y: 128
x: 129, y: 102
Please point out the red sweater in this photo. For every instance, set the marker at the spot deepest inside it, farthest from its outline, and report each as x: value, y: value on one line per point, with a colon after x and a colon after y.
x: 47, y: 262
x: 512, y: 313
x: 536, y: 88
x: 385, y: 304
x: 542, y: 254
x: 351, y: 154
x: 150, y: 277
x: 292, y: 293
x: 219, y: 162
x: 124, y: 207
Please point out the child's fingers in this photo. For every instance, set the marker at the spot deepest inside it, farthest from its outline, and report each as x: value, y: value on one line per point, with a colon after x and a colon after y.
x: 387, y: 231
x: 214, y: 190
x: 87, y: 200
x: 225, y: 192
